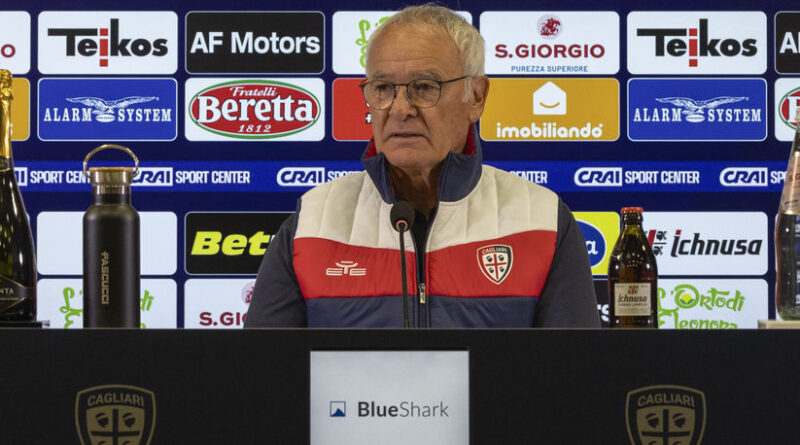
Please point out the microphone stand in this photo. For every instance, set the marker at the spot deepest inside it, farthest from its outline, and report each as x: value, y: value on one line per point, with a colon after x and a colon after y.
x: 401, y: 227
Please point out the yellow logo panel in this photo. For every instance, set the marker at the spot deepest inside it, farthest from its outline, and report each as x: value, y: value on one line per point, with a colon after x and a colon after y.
x: 20, y: 109
x: 555, y: 109
x: 600, y: 230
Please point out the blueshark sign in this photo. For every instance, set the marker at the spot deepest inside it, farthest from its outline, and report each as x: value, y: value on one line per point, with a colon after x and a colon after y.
x: 697, y: 109
x: 103, y: 109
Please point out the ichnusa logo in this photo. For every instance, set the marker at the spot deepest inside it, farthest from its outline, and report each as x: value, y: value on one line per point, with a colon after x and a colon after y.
x: 552, y: 110
x: 114, y: 42
x: 697, y: 109
x: 126, y: 109
x: 691, y: 42
x: 254, y: 109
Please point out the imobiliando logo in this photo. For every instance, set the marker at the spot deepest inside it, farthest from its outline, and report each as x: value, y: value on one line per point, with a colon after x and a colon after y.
x: 553, y: 109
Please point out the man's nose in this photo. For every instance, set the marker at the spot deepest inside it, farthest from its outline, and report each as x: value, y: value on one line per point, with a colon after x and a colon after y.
x: 402, y: 104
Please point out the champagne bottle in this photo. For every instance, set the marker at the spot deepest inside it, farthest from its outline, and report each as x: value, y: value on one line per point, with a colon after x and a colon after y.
x: 632, y: 276
x: 787, y: 237
x: 17, y: 257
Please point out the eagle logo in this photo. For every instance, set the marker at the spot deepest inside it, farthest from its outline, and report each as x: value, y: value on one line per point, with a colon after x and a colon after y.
x: 695, y: 109
x: 105, y: 109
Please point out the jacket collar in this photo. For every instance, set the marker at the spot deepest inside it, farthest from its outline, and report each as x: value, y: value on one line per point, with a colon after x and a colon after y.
x: 460, y: 171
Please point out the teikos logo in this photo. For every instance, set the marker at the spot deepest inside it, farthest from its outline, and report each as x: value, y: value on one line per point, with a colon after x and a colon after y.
x: 351, y: 116
x: 552, y: 110
x: 229, y: 242
x: 787, y: 103
x: 254, y: 109
x: 20, y: 109
x: 113, y: 42
x: 115, y: 414
x: 15, y: 42
x: 600, y: 231
x: 708, y: 243
x: 83, y: 109
x: 697, y: 109
x: 255, y: 42
x: 351, y: 30
x: 665, y: 414
x: 787, y: 42
x: 692, y: 42
x: 561, y: 42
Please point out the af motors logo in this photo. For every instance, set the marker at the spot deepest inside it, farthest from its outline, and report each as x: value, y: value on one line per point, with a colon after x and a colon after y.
x: 122, y: 109
x: 255, y: 42
x: 600, y: 232
x: 692, y: 42
x: 255, y: 109
x: 351, y: 118
x: 15, y: 42
x: 709, y: 109
x: 665, y: 414
x: 787, y: 104
x: 113, y: 42
x: 115, y: 414
x: 708, y: 243
x: 552, y: 109
x: 351, y: 31
x: 551, y: 43
x: 787, y: 42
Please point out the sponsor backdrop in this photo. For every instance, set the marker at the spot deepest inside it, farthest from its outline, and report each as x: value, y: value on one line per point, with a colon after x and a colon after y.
x: 236, y: 109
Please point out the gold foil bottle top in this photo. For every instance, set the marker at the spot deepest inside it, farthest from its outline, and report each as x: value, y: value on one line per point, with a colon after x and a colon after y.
x: 111, y: 176
x: 5, y: 85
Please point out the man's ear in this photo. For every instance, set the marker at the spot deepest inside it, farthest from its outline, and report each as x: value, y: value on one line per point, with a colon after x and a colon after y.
x: 477, y: 100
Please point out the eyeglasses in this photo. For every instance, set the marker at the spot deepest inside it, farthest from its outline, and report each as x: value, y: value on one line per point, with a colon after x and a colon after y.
x: 421, y: 93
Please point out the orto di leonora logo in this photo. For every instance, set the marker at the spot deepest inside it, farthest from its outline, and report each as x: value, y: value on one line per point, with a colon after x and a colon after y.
x: 254, y: 109
x: 665, y: 415
x: 115, y: 414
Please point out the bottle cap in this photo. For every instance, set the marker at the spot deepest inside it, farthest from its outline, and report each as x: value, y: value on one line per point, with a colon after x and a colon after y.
x: 631, y: 210
x: 111, y: 179
x: 5, y: 84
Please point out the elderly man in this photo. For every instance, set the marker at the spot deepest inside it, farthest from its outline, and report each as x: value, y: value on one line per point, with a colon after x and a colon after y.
x: 487, y: 248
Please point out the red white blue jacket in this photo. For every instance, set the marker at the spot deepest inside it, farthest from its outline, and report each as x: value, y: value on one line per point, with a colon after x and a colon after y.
x: 501, y: 252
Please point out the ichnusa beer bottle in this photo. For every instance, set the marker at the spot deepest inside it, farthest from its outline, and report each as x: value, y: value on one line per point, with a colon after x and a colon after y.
x: 632, y: 276
x: 787, y: 237
x: 17, y: 258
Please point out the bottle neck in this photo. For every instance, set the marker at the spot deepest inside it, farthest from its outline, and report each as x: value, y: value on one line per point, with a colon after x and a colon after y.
x: 5, y: 128
x: 631, y: 220
x: 102, y: 194
x: 796, y: 141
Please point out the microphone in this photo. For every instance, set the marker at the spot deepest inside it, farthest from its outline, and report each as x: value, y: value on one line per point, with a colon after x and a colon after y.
x: 402, y: 217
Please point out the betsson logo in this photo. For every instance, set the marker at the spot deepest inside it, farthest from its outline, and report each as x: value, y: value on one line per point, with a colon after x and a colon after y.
x: 84, y: 42
x: 598, y: 177
x: 743, y: 177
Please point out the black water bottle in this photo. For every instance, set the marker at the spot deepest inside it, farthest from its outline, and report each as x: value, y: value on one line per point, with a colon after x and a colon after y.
x: 111, y: 248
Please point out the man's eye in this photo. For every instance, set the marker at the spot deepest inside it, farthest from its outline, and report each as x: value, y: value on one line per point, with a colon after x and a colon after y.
x: 382, y: 88
x: 425, y: 87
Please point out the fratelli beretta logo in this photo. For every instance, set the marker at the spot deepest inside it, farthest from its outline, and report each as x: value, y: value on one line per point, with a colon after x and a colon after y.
x: 108, y: 109
x: 115, y: 414
x: 665, y: 415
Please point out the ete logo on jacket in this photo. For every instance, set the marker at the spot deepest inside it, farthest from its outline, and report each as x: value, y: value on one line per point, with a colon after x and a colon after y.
x: 346, y: 268
x: 495, y: 262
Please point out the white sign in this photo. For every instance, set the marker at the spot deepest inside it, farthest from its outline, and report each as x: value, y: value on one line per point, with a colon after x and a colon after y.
x: 389, y: 397
x: 108, y: 42
x: 59, y: 243
x: 351, y: 30
x: 712, y: 304
x: 60, y: 301
x: 787, y: 103
x: 697, y: 42
x: 535, y: 43
x: 15, y: 41
x: 216, y: 303
x: 708, y: 243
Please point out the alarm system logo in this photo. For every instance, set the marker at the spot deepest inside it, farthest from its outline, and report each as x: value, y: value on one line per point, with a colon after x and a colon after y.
x: 115, y: 414
x: 665, y: 415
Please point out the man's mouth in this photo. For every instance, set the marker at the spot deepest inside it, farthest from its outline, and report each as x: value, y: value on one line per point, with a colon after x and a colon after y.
x: 405, y: 135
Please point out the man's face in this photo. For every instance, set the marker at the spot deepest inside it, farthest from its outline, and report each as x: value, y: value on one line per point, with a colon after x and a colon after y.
x: 416, y: 140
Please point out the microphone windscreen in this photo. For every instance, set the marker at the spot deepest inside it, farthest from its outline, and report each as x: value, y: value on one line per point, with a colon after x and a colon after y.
x: 402, y: 211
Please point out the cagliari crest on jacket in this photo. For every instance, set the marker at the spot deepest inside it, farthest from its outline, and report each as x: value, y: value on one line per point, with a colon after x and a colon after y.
x: 666, y: 415
x: 495, y: 262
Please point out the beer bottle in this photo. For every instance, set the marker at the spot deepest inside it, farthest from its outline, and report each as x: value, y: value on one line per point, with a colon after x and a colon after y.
x: 787, y: 237
x: 632, y: 276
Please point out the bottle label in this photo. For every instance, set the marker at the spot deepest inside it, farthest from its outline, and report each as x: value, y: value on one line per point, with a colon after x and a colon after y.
x: 12, y: 294
x: 790, y: 197
x: 632, y: 299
